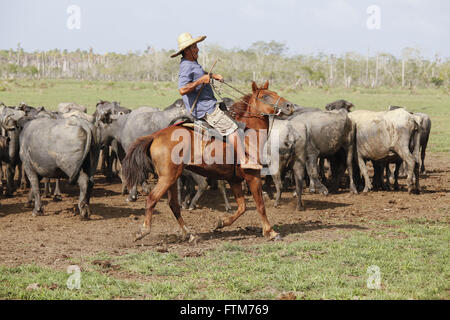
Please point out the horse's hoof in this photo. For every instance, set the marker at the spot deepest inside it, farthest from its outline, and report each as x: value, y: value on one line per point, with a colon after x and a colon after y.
x: 85, y: 213
x: 141, y: 234
x: 57, y: 198
x: 191, y: 208
x: 39, y: 212
x: 131, y: 199
x: 277, y: 238
x: 193, y: 239
x: 219, y: 225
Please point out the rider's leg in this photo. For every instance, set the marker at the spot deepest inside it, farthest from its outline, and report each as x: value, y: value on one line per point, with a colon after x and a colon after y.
x: 245, y: 162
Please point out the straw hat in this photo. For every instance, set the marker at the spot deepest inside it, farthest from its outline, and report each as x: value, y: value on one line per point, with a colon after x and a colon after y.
x: 185, y: 40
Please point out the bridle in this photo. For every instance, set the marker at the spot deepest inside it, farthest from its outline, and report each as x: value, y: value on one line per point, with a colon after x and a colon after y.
x: 246, y: 113
x: 271, y: 116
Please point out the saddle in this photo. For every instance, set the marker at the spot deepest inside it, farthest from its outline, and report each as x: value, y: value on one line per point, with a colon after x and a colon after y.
x: 204, y: 128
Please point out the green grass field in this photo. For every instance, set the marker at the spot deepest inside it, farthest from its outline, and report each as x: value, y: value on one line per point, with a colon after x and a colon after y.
x: 48, y: 93
x: 413, y: 256
x: 414, y: 266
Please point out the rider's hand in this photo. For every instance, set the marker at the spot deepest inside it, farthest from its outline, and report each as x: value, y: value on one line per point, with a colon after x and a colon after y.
x: 204, y: 79
x: 217, y: 77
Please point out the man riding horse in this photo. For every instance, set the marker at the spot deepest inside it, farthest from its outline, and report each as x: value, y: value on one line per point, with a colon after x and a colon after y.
x: 197, y: 93
x: 155, y: 152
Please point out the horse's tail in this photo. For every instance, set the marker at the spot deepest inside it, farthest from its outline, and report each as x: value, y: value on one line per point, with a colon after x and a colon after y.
x: 137, y: 164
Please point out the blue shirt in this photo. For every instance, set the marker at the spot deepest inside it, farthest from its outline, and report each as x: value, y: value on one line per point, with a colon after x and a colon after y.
x: 189, y: 72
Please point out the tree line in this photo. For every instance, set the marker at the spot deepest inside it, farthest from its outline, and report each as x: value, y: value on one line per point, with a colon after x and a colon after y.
x: 261, y: 61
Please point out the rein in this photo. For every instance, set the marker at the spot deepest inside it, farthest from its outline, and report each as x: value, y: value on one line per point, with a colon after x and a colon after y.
x: 255, y: 114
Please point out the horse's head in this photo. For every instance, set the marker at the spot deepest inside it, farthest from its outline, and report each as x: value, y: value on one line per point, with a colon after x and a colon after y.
x: 269, y: 102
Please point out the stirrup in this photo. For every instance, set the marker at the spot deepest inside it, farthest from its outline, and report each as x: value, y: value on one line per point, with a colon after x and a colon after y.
x: 254, y: 166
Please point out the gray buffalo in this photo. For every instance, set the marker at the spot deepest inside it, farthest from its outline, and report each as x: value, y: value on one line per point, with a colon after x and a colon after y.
x: 188, y: 196
x: 306, y: 136
x: 108, y: 153
x: 424, y: 122
x: 331, y: 135
x: 126, y: 128
x: 385, y: 137
x: 4, y: 156
x: 74, y: 112
x: 11, y: 121
x: 65, y: 107
x: 291, y: 141
x: 106, y: 107
x: 59, y: 148
x: 175, y: 105
x: 146, y: 109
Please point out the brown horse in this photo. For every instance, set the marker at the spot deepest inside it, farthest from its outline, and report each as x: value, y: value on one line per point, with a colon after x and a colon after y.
x: 155, y: 153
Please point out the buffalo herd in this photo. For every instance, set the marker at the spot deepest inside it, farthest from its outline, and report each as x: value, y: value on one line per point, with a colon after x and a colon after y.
x: 70, y: 144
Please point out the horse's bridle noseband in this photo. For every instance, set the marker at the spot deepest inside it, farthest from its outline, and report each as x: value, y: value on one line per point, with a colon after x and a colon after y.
x: 276, y: 107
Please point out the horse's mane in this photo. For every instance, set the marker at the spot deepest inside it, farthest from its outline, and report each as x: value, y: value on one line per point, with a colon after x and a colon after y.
x: 242, y: 103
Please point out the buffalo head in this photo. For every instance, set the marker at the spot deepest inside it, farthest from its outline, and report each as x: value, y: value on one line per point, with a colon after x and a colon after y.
x: 339, y: 104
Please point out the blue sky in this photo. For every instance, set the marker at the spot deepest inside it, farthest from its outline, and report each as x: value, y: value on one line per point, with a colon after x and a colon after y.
x: 304, y: 26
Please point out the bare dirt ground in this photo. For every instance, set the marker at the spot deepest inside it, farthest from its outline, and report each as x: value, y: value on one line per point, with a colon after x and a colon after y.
x: 58, y: 236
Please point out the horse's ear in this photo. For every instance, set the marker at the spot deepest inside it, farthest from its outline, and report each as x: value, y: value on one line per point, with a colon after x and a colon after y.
x: 254, y: 86
x: 266, y: 85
